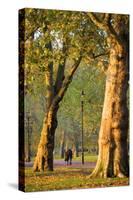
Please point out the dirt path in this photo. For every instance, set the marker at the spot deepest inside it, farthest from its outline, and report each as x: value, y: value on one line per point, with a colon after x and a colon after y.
x: 61, y: 163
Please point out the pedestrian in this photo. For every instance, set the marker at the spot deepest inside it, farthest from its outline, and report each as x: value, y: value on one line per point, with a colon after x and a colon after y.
x: 68, y: 156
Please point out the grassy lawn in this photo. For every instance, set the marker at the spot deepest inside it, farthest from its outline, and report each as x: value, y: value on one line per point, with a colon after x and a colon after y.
x: 67, y: 178
x: 87, y: 158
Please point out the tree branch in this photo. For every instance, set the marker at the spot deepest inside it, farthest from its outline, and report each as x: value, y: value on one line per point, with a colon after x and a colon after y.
x: 106, y: 25
x: 49, y: 80
x: 49, y: 84
x: 101, y: 54
x: 111, y: 29
x: 59, y: 76
x: 31, y: 34
x: 65, y: 84
x: 97, y: 22
x: 61, y: 69
x: 107, y: 18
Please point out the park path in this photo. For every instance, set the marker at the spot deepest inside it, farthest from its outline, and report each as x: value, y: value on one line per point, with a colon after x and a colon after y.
x: 61, y: 163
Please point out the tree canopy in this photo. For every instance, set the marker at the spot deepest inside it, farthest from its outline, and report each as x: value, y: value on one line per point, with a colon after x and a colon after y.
x: 59, y: 39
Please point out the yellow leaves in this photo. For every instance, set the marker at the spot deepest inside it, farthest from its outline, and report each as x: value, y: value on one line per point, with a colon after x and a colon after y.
x: 37, y: 52
x: 29, y: 10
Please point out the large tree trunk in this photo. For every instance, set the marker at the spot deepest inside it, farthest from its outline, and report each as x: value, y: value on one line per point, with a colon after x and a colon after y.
x: 44, y: 158
x: 113, y: 151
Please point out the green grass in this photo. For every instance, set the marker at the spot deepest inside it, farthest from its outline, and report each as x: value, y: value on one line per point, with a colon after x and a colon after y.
x: 66, y: 178
x: 87, y: 158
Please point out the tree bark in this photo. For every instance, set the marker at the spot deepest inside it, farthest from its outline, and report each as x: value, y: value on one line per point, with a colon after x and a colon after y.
x: 113, y: 150
x: 77, y: 149
x: 44, y: 158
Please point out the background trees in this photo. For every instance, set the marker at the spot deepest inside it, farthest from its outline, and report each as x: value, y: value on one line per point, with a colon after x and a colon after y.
x: 69, y: 115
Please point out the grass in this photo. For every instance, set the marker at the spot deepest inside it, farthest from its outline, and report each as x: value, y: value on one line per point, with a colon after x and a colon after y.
x: 87, y: 158
x: 67, y: 178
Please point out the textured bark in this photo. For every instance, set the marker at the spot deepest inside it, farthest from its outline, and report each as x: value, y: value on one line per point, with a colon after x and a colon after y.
x: 44, y: 158
x: 113, y: 151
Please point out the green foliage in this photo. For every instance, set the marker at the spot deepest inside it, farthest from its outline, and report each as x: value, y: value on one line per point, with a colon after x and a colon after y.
x: 52, y: 36
x: 92, y: 80
x: 60, y: 37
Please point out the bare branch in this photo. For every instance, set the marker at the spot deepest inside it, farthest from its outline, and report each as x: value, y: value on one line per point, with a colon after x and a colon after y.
x: 101, y: 54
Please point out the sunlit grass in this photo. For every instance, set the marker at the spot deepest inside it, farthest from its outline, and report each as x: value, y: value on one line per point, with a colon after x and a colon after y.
x: 87, y: 158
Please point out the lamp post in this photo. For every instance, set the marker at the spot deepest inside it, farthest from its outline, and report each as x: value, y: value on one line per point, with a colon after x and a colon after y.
x: 82, y: 136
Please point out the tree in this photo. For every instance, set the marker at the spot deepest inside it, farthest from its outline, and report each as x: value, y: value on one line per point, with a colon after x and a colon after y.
x: 55, y: 93
x: 56, y: 43
x: 62, y: 144
x: 55, y: 40
x: 113, y: 149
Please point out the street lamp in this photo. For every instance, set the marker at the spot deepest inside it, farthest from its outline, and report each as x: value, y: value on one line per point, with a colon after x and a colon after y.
x: 82, y: 136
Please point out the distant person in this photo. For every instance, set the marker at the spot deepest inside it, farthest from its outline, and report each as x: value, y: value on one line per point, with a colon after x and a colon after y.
x: 68, y: 156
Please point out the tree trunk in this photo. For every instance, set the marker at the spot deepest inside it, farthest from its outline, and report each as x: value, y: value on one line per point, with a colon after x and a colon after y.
x: 44, y: 158
x: 77, y: 149
x: 113, y: 151
x: 62, y: 145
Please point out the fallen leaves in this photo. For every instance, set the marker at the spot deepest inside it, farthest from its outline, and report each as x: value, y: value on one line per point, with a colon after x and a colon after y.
x: 67, y: 178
